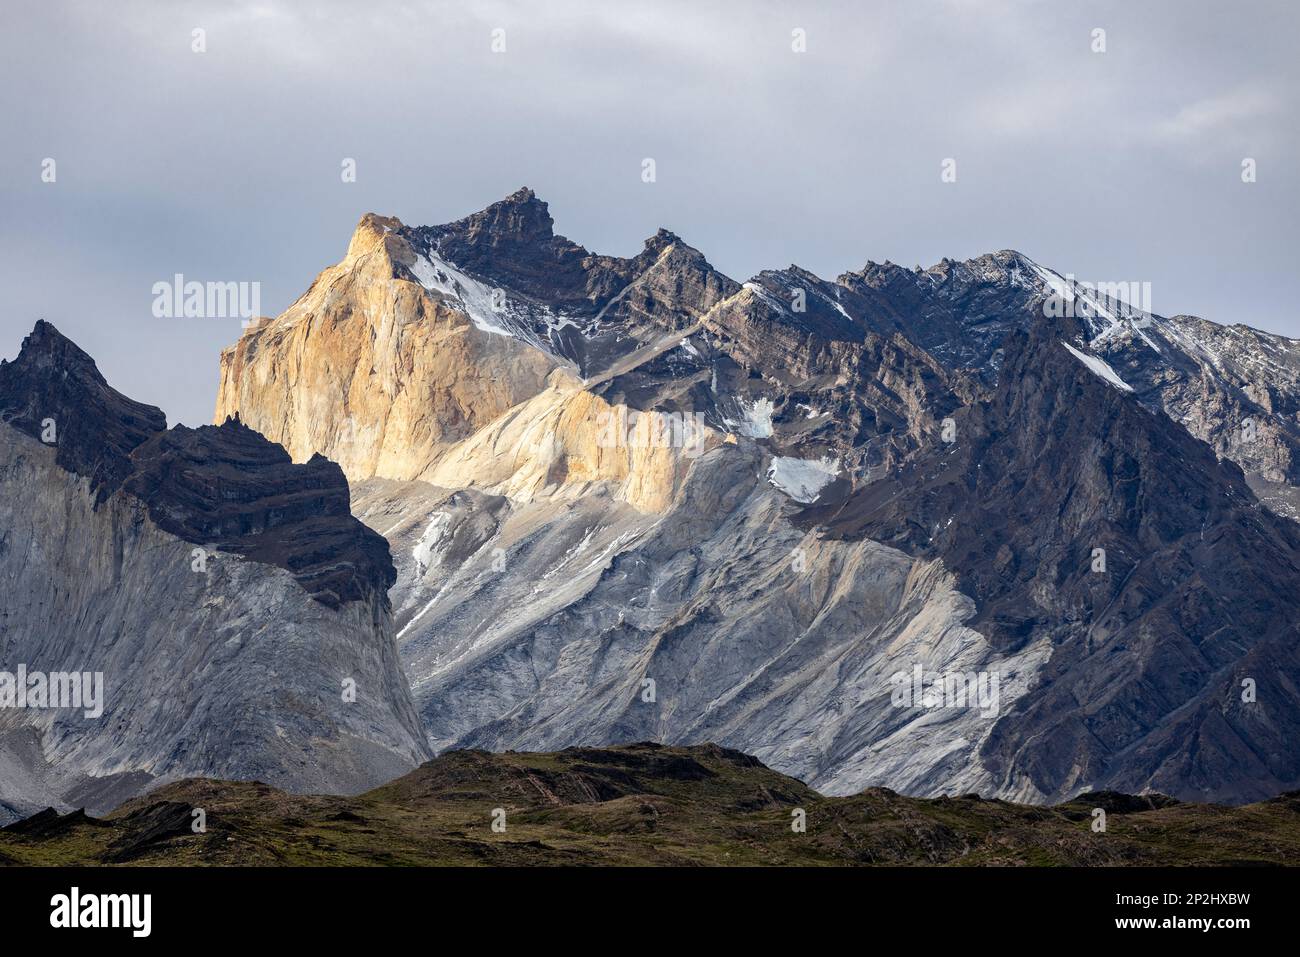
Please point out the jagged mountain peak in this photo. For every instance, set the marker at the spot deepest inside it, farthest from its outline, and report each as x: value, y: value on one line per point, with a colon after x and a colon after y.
x: 793, y: 272
x: 521, y: 217
x: 506, y: 269
x: 1007, y: 257
x: 1002, y: 265
x: 1075, y: 516
x: 54, y: 392
x: 665, y: 239
x: 523, y: 196
x: 511, y: 244
x: 829, y: 393
x: 372, y: 223
x: 221, y: 592
x: 46, y: 346
x: 1056, y: 428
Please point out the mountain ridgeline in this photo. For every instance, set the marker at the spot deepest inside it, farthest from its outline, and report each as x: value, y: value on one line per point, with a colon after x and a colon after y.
x: 976, y: 528
x: 983, y: 468
x: 644, y: 805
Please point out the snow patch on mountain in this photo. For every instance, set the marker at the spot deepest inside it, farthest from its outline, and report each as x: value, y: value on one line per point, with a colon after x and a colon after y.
x: 1099, y: 368
x: 493, y: 310
x: 1106, y: 315
x: 426, y: 549
x: 475, y: 298
x: 802, y: 479
x: 757, y: 420
x: 769, y: 300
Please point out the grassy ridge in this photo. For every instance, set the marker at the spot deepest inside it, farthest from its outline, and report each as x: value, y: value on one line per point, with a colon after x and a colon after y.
x: 641, y: 804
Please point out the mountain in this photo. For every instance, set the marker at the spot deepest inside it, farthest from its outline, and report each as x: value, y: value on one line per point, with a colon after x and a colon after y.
x: 549, y: 571
x: 1193, y: 597
x: 646, y: 805
x: 1234, y: 387
x: 631, y: 498
x: 223, y: 593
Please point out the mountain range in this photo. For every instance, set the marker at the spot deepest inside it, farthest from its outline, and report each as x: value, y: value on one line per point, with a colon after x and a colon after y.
x: 480, y: 488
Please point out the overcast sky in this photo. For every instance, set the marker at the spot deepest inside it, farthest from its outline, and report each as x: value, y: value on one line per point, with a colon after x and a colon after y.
x: 225, y: 165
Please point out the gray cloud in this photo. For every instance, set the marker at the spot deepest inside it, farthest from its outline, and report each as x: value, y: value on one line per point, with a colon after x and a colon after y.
x: 225, y: 165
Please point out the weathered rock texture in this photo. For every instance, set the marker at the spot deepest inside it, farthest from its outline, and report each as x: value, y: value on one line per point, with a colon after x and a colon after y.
x: 1072, y: 514
x: 393, y: 379
x: 224, y: 593
x: 1234, y: 387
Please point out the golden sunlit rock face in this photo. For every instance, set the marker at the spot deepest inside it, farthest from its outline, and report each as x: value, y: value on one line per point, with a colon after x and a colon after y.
x: 391, y: 380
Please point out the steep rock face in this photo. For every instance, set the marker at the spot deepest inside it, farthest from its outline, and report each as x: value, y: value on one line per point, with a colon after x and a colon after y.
x: 372, y: 371
x: 433, y: 335
x: 224, y: 594
x: 54, y: 389
x: 524, y: 547
x: 568, y: 442
x: 515, y: 240
x: 1242, y: 396
x: 229, y: 487
x: 958, y: 312
x: 587, y: 307
x: 226, y: 488
x: 436, y: 383
x: 835, y: 388
x: 1152, y: 639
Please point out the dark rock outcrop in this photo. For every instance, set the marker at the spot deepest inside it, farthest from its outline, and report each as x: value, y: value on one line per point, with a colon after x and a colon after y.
x: 161, y: 661
x: 1235, y: 387
x: 95, y: 428
x: 513, y: 244
x: 229, y: 487
x: 222, y: 487
x: 834, y: 392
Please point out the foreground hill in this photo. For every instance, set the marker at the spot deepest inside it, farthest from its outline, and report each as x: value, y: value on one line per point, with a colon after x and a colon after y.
x: 642, y: 804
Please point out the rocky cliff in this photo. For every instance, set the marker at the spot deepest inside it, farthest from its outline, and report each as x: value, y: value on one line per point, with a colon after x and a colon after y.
x: 226, y: 596
x: 1234, y: 387
x: 397, y: 365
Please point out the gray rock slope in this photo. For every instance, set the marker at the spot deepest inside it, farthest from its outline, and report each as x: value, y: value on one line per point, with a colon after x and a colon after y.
x: 541, y: 626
